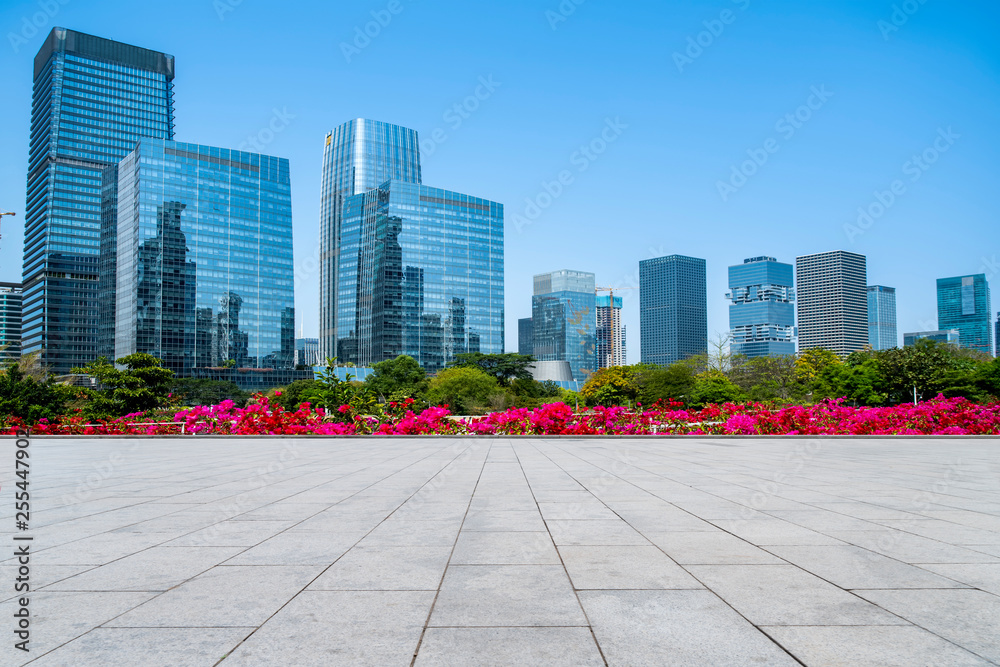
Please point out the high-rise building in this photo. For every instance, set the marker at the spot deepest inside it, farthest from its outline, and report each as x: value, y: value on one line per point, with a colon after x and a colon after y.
x: 832, y: 301
x: 358, y: 157
x: 611, y: 350
x: 950, y: 337
x: 964, y: 304
x: 420, y: 273
x: 204, y: 260
x: 762, y: 308
x: 996, y: 337
x: 307, y: 351
x: 525, y: 336
x: 882, y: 333
x: 10, y: 321
x: 564, y: 320
x: 673, y: 309
x: 92, y: 100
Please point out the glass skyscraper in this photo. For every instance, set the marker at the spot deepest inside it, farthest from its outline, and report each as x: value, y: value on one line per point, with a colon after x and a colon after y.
x: 92, y: 100
x: 882, y: 333
x: 525, y: 336
x: 762, y: 308
x: 204, y: 260
x: 964, y: 304
x: 564, y: 320
x: 950, y: 337
x: 358, y: 156
x: 673, y: 309
x: 10, y: 321
x: 831, y: 291
x: 611, y: 350
x: 420, y: 273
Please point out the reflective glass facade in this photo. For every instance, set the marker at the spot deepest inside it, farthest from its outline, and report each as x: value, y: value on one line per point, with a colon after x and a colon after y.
x: 525, y: 336
x: 10, y: 321
x: 964, y: 304
x: 951, y: 337
x: 673, y: 309
x: 564, y: 320
x: 762, y: 308
x: 92, y: 100
x: 831, y: 291
x: 420, y: 273
x: 204, y: 260
x: 882, y: 317
x: 610, y: 333
x: 358, y: 156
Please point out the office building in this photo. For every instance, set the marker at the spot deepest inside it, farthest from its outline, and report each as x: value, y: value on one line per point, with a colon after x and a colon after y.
x: 831, y: 292
x: 762, y: 308
x: 420, y: 274
x: 359, y: 156
x: 882, y: 333
x: 964, y: 304
x: 996, y: 337
x: 204, y: 261
x: 307, y: 352
x: 10, y: 322
x: 673, y: 309
x: 92, y: 100
x: 610, y: 332
x: 564, y: 319
x: 525, y: 336
x: 950, y: 337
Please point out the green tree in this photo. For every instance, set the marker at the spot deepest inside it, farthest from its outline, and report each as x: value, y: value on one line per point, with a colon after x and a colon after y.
x: 143, y: 385
x: 920, y: 368
x: 198, y: 391
x: 675, y: 381
x: 295, y: 394
x: 611, y: 386
x: 462, y: 388
x: 504, y: 368
x: 29, y: 399
x: 765, y: 378
x: 713, y: 386
x: 811, y: 363
x: 396, y: 377
x: 987, y: 378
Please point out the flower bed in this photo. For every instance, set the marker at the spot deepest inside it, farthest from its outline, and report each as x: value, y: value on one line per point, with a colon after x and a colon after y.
x: 955, y: 416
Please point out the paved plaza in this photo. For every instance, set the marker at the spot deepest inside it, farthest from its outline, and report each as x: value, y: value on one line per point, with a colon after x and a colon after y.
x: 505, y: 551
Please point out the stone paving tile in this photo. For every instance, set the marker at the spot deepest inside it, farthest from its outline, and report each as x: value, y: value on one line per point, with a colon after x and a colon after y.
x: 503, y: 520
x: 504, y: 548
x: 985, y: 576
x: 623, y: 567
x: 298, y: 549
x: 703, y: 548
x: 594, y: 533
x: 387, y: 569
x: 911, y: 548
x: 321, y: 628
x: 222, y: 597
x: 98, y: 549
x: 969, y: 618
x: 150, y: 647
x: 231, y: 533
x: 493, y: 647
x: 677, y: 628
x: 506, y: 595
x: 773, y: 531
x: 155, y: 569
x: 872, y: 646
x: 401, y: 533
x: 786, y: 595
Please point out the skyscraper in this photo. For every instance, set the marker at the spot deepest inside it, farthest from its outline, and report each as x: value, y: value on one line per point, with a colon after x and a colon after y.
x: 762, y: 312
x: 964, y: 304
x: 92, y: 100
x: 882, y: 333
x: 564, y: 319
x: 951, y: 337
x: 525, y: 336
x: 611, y: 350
x: 204, y: 259
x: 359, y: 156
x: 832, y: 301
x: 673, y: 309
x: 420, y: 273
x: 10, y: 321
x: 996, y: 337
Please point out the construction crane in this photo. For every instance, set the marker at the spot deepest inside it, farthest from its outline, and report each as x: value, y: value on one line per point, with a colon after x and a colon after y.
x: 611, y: 301
x: 1, y: 219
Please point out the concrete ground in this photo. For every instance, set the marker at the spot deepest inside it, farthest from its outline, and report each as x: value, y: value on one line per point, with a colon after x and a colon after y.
x: 534, y: 551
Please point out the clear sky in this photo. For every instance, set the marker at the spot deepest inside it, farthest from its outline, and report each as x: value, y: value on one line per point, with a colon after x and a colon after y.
x: 884, y: 86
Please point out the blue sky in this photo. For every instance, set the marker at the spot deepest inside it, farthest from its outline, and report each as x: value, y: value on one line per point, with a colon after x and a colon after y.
x: 693, y: 89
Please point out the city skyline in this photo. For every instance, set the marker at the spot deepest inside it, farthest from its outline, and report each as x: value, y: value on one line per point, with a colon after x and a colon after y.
x: 845, y: 158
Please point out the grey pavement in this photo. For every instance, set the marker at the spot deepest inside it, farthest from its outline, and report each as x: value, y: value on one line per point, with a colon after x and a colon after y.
x: 507, y: 551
